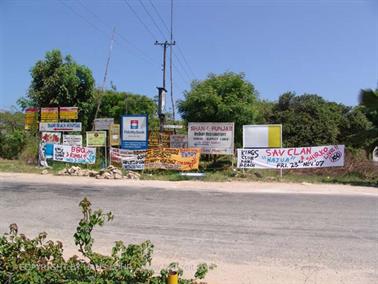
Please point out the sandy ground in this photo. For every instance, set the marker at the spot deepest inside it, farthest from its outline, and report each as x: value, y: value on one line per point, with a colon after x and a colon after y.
x: 267, y: 233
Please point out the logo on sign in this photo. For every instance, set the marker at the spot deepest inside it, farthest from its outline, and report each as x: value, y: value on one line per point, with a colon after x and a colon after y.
x: 134, y: 124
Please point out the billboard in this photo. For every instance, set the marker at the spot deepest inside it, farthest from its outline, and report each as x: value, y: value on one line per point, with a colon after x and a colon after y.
x: 74, y: 154
x: 103, y: 123
x: 51, y: 137
x: 134, y: 132
x: 68, y: 113
x: 49, y: 114
x: 96, y: 138
x: 128, y: 159
x: 212, y: 137
x: 73, y: 140
x: 292, y: 158
x: 60, y: 126
x: 262, y: 136
x: 184, y: 159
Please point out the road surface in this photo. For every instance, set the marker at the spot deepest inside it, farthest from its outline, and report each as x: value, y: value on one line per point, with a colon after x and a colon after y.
x: 296, y: 235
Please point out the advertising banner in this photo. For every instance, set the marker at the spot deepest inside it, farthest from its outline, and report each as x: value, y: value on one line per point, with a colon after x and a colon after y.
x: 212, y: 137
x: 31, y: 117
x: 178, y: 141
x: 262, y: 136
x: 60, y: 126
x: 96, y: 138
x: 127, y: 159
x: 114, y: 134
x: 74, y: 154
x: 103, y: 123
x: 134, y: 132
x: 51, y: 137
x: 49, y: 114
x: 73, y: 140
x: 185, y: 159
x: 68, y: 113
x: 153, y: 139
x: 292, y: 158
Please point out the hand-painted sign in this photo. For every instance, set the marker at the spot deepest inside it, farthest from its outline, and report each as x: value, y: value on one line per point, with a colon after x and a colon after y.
x: 291, y: 158
x: 68, y: 113
x: 103, y: 123
x: 129, y: 160
x: 262, y: 136
x: 31, y: 117
x: 212, y: 137
x: 73, y: 140
x: 74, y: 154
x: 96, y: 138
x: 155, y: 136
x: 49, y: 114
x: 60, y: 126
x: 134, y: 132
x: 51, y: 137
x: 114, y: 134
x: 184, y: 159
x: 178, y: 141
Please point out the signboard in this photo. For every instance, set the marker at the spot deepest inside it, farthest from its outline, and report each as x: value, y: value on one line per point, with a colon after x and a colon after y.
x: 185, y: 159
x: 134, y: 132
x: 96, y: 138
x: 73, y: 140
x: 114, y: 134
x: 74, y: 154
x: 31, y: 117
x: 129, y: 160
x: 172, y: 126
x: 47, y: 150
x: 68, y: 113
x: 153, y: 139
x: 178, y: 141
x: 262, y: 136
x: 375, y: 154
x: 212, y: 137
x: 103, y: 123
x: 51, y: 137
x: 49, y: 114
x: 60, y: 126
x: 291, y: 158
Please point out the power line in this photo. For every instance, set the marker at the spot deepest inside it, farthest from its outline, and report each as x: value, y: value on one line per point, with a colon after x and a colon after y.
x: 152, y: 19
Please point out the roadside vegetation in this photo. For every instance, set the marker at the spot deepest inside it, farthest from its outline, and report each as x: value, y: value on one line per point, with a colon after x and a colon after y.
x: 39, y: 260
x: 307, y: 119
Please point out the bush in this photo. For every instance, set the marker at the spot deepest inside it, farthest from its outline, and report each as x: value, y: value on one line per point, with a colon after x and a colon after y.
x: 24, y: 260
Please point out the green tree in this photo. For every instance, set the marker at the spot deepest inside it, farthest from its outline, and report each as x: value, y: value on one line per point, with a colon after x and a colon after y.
x: 115, y: 104
x: 228, y: 97
x: 12, y: 136
x: 310, y: 120
x: 60, y: 81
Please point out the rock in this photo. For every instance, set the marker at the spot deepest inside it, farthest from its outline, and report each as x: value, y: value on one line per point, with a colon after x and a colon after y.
x: 98, y: 176
x: 258, y: 175
x: 44, y: 172
x: 117, y: 176
x: 92, y: 173
x: 107, y: 175
x: 62, y: 172
x: 133, y: 175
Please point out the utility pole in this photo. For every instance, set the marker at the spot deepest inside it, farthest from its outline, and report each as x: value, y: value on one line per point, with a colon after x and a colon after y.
x: 162, y: 90
x: 170, y: 67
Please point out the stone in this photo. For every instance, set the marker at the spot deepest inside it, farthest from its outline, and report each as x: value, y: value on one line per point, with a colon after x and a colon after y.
x: 44, y: 172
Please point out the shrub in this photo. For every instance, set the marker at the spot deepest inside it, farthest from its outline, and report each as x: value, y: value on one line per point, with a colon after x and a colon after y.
x: 24, y: 260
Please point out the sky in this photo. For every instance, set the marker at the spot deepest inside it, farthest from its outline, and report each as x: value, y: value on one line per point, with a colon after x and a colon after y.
x: 324, y: 47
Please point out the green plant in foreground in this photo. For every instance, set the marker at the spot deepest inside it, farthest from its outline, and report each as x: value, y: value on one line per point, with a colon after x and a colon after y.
x: 40, y: 261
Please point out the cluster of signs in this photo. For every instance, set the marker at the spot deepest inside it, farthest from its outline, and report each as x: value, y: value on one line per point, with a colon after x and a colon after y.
x: 49, y: 114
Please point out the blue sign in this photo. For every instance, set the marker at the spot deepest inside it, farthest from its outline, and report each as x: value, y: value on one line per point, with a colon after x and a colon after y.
x: 134, y: 132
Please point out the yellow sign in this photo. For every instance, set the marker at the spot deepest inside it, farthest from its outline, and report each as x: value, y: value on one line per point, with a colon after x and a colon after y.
x: 182, y: 159
x: 49, y: 114
x: 31, y: 117
x: 114, y: 132
x: 96, y: 138
x: 68, y: 113
x: 153, y: 139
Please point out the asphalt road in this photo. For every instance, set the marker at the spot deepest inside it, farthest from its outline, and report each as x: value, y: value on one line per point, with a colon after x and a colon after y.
x: 333, y: 232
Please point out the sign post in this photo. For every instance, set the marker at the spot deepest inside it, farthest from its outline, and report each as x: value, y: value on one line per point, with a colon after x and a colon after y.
x: 134, y: 132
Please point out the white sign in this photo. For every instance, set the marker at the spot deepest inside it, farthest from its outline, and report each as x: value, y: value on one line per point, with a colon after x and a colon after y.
x: 134, y: 132
x: 171, y: 126
x: 375, y: 154
x: 262, y: 136
x: 74, y: 154
x: 103, y: 123
x: 73, y: 140
x: 60, y: 126
x: 178, y: 141
x: 212, y: 137
x: 292, y: 158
